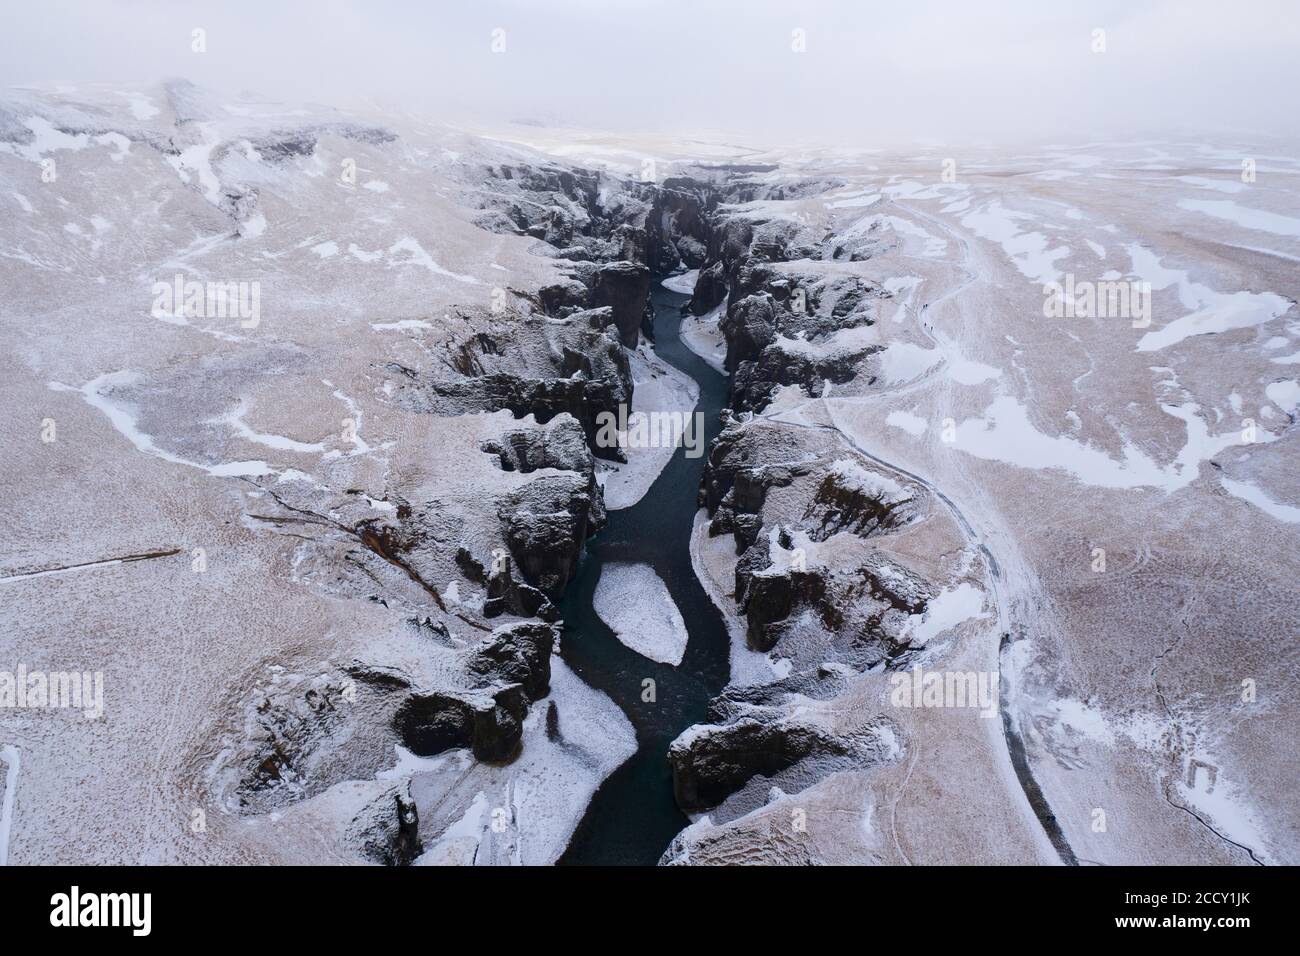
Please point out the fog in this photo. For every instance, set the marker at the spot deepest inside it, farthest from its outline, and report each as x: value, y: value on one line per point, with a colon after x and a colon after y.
x: 851, y: 71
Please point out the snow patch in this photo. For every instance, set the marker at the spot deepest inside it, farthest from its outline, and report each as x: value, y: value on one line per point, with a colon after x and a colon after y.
x: 1249, y: 493
x: 953, y: 606
x: 1257, y: 219
x: 1212, y: 311
x: 1285, y: 395
x: 1006, y: 434
x: 401, y: 324
x: 912, y: 424
x: 123, y: 417
x: 8, y: 753
x: 1028, y: 251
x: 415, y: 255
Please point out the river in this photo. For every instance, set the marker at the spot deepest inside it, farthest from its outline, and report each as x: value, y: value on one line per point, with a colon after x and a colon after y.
x: 633, y: 816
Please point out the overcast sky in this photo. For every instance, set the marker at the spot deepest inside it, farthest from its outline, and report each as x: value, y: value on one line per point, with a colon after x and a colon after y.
x: 871, y: 70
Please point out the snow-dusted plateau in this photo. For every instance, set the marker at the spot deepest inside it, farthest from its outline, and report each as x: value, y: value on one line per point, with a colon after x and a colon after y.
x: 991, y: 556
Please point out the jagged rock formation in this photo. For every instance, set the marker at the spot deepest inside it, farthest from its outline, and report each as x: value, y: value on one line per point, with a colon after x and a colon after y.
x: 624, y: 287
x: 730, y: 767
x: 333, y: 513
x: 547, y: 520
x: 489, y: 722
x: 545, y: 524
x: 711, y: 763
x: 781, y: 324
x: 296, y: 734
x: 805, y: 514
x: 536, y: 368
x: 629, y: 231
x: 301, y: 736
x: 508, y: 671
x: 555, y: 359
x: 861, y: 502
x: 505, y: 595
x: 562, y: 445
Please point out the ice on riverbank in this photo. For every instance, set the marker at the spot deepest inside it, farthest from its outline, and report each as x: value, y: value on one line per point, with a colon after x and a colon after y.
x: 703, y: 336
x: 714, y: 562
x: 658, y: 387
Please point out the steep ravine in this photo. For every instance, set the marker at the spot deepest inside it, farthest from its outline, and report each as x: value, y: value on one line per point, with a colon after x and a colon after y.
x: 634, y: 816
x: 701, y: 743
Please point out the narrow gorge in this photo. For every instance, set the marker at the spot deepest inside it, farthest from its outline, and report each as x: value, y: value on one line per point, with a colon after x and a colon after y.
x: 750, y: 712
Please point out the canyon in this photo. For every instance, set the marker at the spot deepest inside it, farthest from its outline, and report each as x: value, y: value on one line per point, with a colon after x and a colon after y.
x: 367, y: 625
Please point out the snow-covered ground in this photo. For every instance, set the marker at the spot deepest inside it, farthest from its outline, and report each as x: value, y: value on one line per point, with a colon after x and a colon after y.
x: 1134, y: 478
x: 8, y: 795
x: 713, y: 560
x: 683, y: 283
x: 237, y: 458
x: 1131, y: 474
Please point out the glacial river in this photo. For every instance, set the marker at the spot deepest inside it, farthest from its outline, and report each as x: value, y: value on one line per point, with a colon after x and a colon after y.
x: 633, y: 816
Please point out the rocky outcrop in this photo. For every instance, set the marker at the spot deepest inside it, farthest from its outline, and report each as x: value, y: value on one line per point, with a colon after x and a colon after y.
x: 770, y: 597
x: 740, y: 510
x: 711, y: 763
x: 774, y: 336
x: 288, y: 740
x: 852, y: 602
x: 859, y: 612
x: 743, y: 465
x: 550, y: 203
x: 545, y: 524
x: 509, y: 671
x: 763, y: 747
x: 578, y: 369
x: 749, y: 326
x: 756, y: 382
x: 301, y: 735
x: 388, y: 829
x: 677, y: 225
x: 520, y: 653
x: 488, y: 722
x: 562, y: 445
x: 623, y: 287
x: 505, y: 595
x: 854, y: 500
x: 710, y: 289
x: 280, y: 147
x: 619, y: 234
x: 779, y: 324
